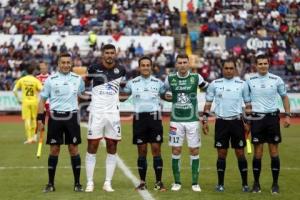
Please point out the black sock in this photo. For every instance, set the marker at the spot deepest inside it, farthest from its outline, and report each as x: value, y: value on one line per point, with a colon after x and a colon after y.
x: 243, y: 167
x: 76, y: 165
x: 275, y: 166
x: 158, y: 166
x: 221, y: 165
x: 52, y: 162
x: 142, y: 166
x: 256, y: 165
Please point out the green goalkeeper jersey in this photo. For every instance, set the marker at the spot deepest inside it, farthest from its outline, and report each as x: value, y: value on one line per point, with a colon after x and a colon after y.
x: 184, y: 96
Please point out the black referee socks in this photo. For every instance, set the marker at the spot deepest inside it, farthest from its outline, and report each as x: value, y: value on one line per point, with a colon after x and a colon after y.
x: 221, y: 165
x: 275, y: 166
x: 76, y: 164
x: 158, y: 166
x: 243, y: 167
x: 142, y: 166
x: 52, y: 162
x: 256, y: 165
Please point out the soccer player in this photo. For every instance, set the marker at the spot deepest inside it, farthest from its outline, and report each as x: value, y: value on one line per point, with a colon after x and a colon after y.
x: 147, y: 126
x: 265, y: 127
x: 104, y: 119
x: 62, y: 89
x: 184, y: 118
x: 228, y: 93
x: 30, y: 87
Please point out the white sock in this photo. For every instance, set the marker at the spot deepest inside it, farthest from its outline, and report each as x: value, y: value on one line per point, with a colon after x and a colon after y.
x: 111, y: 163
x: 90, y: 162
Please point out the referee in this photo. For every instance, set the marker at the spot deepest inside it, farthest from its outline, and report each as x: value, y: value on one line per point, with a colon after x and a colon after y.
x: 229, y: 93
x: 147, y: 125
x: 62, y: 90
x: 265, y: 126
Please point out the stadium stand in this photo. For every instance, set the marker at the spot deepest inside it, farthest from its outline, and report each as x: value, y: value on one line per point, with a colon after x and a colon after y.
x: 232, y: 19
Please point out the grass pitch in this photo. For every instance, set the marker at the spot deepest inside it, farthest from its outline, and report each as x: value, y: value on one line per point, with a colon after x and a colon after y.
x: 23, y: 176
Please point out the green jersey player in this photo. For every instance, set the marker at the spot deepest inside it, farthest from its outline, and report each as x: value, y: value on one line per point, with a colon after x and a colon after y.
x: 184, y: 118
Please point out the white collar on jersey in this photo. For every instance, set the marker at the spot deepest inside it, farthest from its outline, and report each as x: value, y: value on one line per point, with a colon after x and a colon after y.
x: 182, y: 76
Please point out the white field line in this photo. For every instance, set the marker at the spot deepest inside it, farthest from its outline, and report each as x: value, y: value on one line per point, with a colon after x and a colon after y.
x: 126, y: 171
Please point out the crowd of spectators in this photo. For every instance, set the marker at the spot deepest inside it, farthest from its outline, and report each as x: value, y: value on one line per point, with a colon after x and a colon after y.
x: 105, y: 17
x: 274, y: 19
x: 232, y: 18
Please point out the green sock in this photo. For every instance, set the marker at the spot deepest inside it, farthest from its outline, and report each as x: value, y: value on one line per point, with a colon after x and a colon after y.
x: 176, y: 168
x: 195, y: 164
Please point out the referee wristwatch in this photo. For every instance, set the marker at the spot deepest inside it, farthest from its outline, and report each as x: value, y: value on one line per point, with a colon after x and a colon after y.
x: 205, y: 117
x: 287, y: 114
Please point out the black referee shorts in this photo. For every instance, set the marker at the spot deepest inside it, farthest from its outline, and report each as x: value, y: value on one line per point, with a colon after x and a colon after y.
x: 266, y: 130
x: 63, y: 128
x: 229, y: 130
x: 147, y: 128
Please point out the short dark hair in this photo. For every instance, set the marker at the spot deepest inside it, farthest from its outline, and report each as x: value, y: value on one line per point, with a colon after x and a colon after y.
x: 30, y: 68
x: 145, y: 58
x: 229, y: 60
x: 261, y: 56
x: 182, y: 56
x: 108, y: 46
x: 64, y: 54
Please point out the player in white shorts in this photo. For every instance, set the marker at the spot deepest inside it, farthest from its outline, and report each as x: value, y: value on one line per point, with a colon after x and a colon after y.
x: 184, y: 119
x: 104, y: 119
x: 181, y: 130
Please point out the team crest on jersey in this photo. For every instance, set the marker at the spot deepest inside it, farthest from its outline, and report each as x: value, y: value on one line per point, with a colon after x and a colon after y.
x: 116, y: 71
x: 183, y: 98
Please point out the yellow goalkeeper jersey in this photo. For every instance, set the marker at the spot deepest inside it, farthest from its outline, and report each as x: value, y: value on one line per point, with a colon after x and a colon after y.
x: 30, y: 87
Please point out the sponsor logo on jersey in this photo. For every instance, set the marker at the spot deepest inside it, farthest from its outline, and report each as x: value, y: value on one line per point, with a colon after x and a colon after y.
x: 192, y: 80
x: 116, y: 71
x: 183, y: 98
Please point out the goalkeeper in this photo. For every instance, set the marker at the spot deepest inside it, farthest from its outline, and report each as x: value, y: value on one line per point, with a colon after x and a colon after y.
x: 228, y: 94
x: 30, y: 87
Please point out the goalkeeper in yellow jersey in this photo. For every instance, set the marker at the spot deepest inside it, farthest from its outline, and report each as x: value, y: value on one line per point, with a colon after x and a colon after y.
x: 30, y: 86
